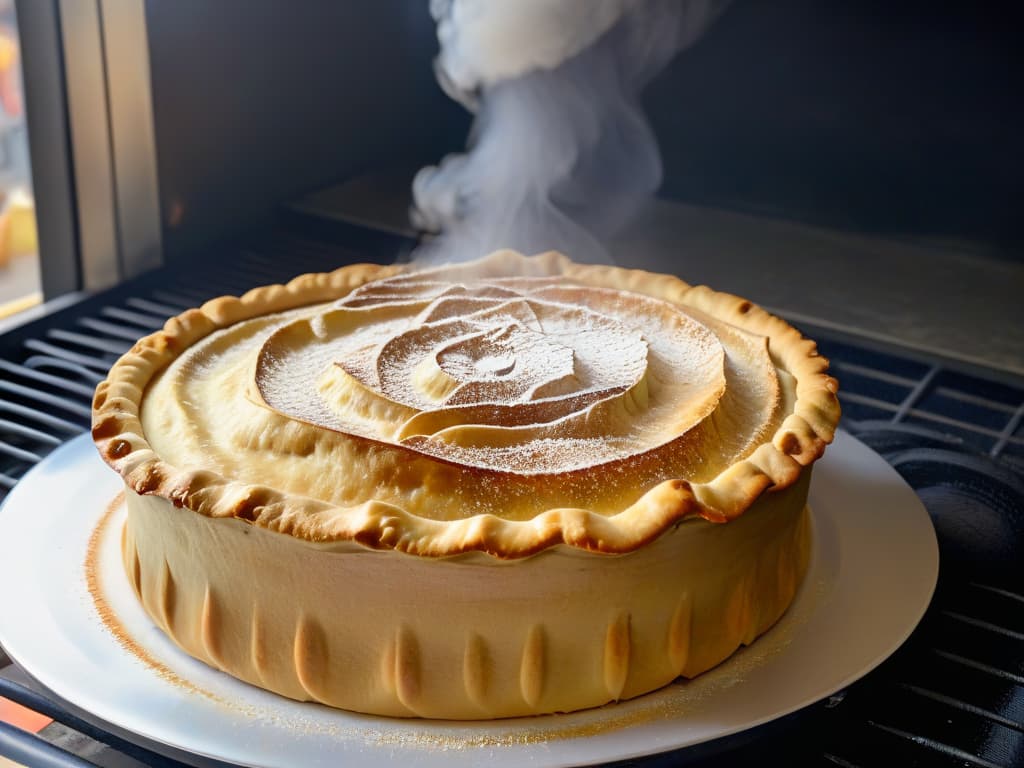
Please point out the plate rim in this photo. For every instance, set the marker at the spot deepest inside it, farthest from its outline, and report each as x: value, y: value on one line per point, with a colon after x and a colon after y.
x: 845, y: 446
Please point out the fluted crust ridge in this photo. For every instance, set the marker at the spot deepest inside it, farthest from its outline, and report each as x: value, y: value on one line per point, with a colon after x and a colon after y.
x: 731, y: 348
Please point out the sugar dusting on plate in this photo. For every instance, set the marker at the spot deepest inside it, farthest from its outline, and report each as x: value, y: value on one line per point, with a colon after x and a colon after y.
x: 674, y: 701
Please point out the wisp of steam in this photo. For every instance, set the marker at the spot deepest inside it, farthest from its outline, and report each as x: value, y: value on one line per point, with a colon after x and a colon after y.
x: 560, y: 154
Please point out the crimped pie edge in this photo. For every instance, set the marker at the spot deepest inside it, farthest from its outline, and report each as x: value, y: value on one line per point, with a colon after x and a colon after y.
x: 776, y: 464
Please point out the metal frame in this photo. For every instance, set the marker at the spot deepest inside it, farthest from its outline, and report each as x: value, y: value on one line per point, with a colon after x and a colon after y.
x: 49, y: 149
x: 90, y: 117
x: 130, y: 109
x: 89, y: 126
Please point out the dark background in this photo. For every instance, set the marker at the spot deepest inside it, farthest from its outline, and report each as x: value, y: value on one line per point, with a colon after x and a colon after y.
x: 901, y: 118
x: 893, y: 117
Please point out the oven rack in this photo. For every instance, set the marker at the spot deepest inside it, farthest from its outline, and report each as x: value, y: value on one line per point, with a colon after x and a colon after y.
x: 953, y: 695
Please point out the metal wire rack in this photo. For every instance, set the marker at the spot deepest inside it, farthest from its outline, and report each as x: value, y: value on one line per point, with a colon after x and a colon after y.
x: 953, y: 695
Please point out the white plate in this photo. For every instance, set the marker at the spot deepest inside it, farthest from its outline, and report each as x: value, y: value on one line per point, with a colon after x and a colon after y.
x: 871, y: 577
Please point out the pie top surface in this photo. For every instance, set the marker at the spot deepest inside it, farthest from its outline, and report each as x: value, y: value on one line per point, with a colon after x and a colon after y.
x: 504, y: 406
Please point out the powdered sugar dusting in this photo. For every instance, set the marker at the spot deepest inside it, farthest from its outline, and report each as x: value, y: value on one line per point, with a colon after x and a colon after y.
x: 531, y: 375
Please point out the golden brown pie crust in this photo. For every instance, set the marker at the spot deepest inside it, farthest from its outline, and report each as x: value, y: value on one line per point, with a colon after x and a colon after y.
x: 451, y: 655
x: 776, y: 464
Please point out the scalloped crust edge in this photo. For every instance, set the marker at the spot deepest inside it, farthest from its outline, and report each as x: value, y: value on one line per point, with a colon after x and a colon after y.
x: 774, y: 465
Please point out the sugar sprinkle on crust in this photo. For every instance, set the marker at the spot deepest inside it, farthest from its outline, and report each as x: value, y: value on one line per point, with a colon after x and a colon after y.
x: 776, y: 464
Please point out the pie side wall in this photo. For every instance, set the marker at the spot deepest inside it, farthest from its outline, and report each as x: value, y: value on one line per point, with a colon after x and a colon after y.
x: 467, y: 637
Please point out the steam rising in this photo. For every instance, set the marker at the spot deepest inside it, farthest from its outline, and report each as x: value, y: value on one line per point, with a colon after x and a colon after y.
x: 560, y: 155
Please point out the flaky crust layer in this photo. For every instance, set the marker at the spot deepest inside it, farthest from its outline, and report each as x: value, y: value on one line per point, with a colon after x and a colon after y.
x: 774, y: 465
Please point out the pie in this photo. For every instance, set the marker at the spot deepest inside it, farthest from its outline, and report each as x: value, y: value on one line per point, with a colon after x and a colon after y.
x: 516, y: 486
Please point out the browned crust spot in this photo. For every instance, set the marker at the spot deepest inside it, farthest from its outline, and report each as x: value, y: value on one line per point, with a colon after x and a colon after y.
x: 800, y: 440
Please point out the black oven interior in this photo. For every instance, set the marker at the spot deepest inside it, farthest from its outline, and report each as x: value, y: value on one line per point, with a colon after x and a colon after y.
x: 868, y: 124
